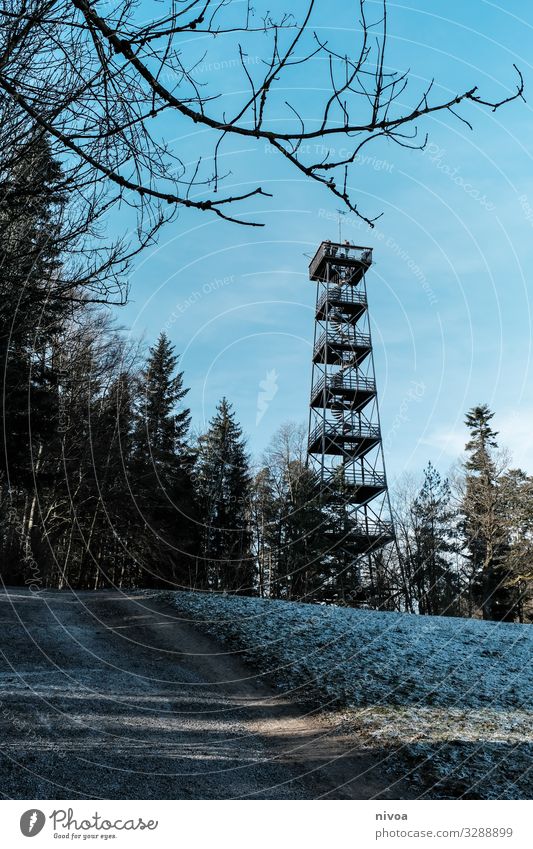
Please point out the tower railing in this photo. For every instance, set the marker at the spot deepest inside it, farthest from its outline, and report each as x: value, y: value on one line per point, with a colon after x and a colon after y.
x: 339, y: 252
x: 341, y: 294
x: 353, y: 339
x: 355, y: 477
x: 356, y: 486
x: 343, y: 381
x: 330, y: 431
x: 372, y: 529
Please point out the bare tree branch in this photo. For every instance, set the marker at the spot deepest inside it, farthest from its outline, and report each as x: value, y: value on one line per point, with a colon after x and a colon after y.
x: 97, y: 82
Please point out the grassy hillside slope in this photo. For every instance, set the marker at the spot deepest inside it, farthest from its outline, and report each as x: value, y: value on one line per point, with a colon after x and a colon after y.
x: 450, y: 700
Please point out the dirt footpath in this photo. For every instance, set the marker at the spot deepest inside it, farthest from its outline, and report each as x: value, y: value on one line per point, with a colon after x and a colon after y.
x: 108, y: 695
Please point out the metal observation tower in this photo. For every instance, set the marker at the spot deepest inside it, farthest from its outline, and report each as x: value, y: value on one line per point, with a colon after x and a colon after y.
x: 345, y: 446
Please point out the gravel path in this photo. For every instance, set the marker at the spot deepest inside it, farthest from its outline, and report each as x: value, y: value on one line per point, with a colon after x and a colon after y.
x: 109, y: 695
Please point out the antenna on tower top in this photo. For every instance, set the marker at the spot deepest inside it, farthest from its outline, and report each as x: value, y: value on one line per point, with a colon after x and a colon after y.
x: 340, y: 212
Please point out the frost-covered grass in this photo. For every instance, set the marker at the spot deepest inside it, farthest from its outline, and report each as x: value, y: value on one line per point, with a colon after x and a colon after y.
x: 451, y: 698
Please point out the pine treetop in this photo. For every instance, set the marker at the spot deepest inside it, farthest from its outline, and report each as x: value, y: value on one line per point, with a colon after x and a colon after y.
x: 482, y: 439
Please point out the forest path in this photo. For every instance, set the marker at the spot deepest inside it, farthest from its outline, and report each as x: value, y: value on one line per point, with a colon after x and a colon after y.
x: 109, y: 695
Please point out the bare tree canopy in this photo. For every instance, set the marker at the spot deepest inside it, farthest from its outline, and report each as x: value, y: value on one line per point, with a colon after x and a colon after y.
x: 102, y: 82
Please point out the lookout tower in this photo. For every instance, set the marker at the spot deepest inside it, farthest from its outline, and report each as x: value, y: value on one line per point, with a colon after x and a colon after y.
x: 345, y: 445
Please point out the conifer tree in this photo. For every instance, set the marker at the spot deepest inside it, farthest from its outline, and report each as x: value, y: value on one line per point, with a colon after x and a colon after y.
x: 292, y: 546
x: 435, y: 579
x: 516, y: 488
x: 484, y: 525
x: 223, y: 487
x: 309, y: 574
x: 162, y: 427
x: 161, y: 469
x: 30, y: 311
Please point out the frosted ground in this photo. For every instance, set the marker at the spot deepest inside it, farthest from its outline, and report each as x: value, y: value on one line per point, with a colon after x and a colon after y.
x: 450, y: 700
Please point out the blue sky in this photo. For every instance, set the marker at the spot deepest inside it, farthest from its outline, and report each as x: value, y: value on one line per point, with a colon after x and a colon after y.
x: 450, y: 289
